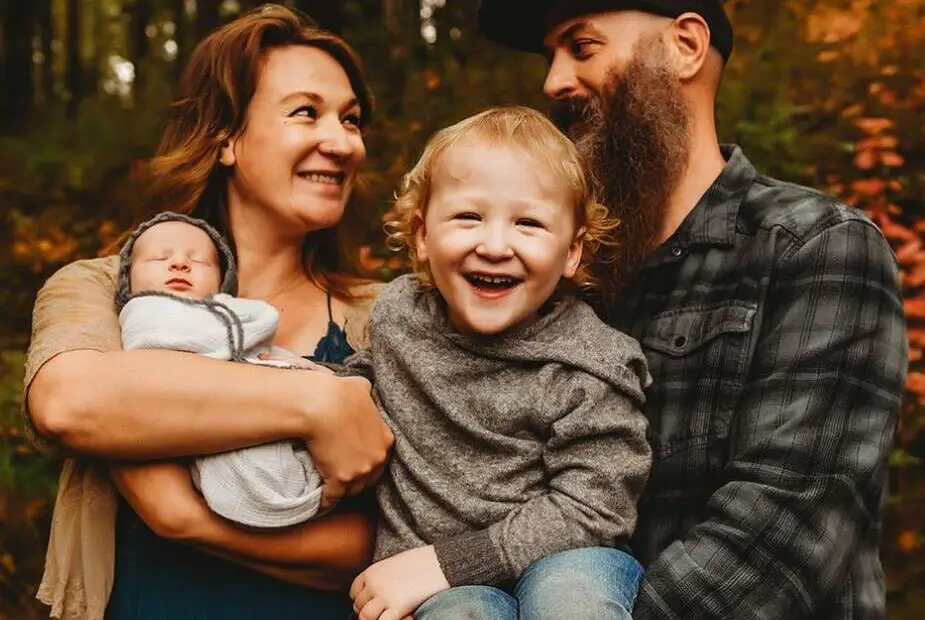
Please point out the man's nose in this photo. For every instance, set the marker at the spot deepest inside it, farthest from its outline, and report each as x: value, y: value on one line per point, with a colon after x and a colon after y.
x: 561, y: 82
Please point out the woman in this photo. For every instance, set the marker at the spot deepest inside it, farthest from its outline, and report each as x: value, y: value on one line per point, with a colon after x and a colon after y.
x: 265, y: 143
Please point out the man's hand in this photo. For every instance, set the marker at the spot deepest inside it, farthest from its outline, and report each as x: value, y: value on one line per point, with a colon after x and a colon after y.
x: 348, y: 441
x: 393, y: 588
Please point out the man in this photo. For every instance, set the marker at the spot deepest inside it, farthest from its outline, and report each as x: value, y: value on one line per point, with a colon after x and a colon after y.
x: 770, y: 315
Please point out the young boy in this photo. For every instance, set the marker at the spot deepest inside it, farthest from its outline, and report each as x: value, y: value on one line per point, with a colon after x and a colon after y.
x: 520, y: 449
x: 175, y: 291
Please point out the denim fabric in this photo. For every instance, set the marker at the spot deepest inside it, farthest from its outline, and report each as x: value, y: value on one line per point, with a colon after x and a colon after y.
x: 593, y: 583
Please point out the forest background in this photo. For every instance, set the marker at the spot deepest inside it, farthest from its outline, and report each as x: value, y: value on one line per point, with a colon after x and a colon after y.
x: 827, y: 93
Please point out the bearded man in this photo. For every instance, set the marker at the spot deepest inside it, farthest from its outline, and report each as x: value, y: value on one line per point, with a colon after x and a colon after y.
x: 770, y: 315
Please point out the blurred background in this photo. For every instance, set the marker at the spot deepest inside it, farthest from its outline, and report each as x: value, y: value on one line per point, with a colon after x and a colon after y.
x: 827, y: 93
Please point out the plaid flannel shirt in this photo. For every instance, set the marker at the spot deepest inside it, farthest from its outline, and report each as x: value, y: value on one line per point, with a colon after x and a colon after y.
x: 774, y: 329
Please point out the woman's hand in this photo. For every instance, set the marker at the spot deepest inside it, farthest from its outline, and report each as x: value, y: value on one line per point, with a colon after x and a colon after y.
x: 163, y: 496
x: 393, y: 588
x: 349, y: 442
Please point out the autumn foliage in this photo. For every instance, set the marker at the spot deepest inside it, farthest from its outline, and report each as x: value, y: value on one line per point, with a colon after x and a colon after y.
x: 826, y: 93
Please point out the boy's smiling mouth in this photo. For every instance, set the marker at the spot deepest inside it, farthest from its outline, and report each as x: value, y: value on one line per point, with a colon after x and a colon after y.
x: 492, y: 283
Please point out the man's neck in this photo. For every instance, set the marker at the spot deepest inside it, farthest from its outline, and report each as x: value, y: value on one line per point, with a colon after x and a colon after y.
x: 703, y: 167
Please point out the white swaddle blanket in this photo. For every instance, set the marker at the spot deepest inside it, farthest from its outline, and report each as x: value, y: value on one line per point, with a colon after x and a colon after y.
x: 272, y: 485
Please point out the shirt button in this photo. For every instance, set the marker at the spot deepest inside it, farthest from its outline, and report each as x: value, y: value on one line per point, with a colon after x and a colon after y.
x: 677, y: 251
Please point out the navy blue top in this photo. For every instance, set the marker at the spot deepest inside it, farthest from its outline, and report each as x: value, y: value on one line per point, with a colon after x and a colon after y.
x: 157, y: 579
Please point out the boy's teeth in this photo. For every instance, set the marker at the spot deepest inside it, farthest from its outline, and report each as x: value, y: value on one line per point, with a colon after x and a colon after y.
x: 494, y: 280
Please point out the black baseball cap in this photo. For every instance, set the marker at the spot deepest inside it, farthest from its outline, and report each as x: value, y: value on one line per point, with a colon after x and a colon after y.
x: 523, y: 24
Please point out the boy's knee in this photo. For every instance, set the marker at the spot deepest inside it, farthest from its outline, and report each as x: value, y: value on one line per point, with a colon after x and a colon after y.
x: 465, y: 602
x: 593, y: 582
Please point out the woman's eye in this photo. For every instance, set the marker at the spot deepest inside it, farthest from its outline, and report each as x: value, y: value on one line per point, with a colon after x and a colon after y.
x: 352, y: 119
x: 306, y: 111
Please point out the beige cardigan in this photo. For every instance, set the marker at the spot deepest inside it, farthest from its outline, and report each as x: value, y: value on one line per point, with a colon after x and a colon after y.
x: 74, y: 311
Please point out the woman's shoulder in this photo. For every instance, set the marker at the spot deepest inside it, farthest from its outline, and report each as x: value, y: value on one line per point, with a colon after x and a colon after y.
x: 102, y: 271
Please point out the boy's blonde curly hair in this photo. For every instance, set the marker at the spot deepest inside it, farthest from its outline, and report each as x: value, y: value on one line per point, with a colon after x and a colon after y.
x: 507, y: 127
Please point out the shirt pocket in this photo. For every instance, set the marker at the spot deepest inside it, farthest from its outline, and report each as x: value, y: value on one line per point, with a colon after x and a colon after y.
x: 698, y: 357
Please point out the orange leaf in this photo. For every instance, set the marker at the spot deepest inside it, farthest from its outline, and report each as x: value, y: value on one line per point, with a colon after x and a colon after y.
x: 909, y: 541
x: 915, y: 309
x: 907, y: 252
x: 873, y: 125
x: 917, y: 337
x: 891, y: 159
x: 866, y: 159
x: 915, y: 382
x: 869, y: 187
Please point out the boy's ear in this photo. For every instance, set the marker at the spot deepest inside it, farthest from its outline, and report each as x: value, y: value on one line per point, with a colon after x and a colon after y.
x: 574, y: 254
x: 226, y: 156
x: 420, y: 236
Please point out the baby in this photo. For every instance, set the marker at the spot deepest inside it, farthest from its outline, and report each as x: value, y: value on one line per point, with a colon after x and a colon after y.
x: 520, y: 446
x: 175, y: 291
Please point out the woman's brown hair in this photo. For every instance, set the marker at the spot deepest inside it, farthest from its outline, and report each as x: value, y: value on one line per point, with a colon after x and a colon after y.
x: 215, y: 90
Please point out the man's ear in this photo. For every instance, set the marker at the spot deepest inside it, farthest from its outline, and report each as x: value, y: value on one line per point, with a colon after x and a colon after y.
x: 574, y: 254
x: 226, y: 155
x: 420, y: 236
x: 691, y: 42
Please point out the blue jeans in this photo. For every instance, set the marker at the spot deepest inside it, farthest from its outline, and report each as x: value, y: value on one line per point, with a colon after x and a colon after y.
x: 594, y: 583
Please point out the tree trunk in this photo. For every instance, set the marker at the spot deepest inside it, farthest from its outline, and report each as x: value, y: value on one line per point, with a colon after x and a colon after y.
x: 74, y: 63
x: 47, y: 35
x: 401, y: 23
x: 207, y: 18
x: 16, y: 68
x: 139, y: 42
x: 178, y: 9
x: 328, y: 13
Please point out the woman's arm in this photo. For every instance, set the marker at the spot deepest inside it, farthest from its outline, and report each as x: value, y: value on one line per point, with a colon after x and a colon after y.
x: 151, y: 404
x: 84, y: 392
x: 326, y: 552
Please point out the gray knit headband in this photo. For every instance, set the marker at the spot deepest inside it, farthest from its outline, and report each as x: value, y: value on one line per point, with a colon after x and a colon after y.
x: 124, y: 281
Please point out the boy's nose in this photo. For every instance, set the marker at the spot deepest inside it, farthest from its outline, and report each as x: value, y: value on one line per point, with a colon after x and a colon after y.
x: 494, y: 246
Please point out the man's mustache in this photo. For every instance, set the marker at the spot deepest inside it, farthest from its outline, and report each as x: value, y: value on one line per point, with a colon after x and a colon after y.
x: 565, y: 113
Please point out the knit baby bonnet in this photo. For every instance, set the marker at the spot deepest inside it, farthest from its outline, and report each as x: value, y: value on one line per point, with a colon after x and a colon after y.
x: 124, y: 282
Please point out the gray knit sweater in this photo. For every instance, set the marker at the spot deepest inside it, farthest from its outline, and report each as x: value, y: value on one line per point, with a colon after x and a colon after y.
x: 509, y: 448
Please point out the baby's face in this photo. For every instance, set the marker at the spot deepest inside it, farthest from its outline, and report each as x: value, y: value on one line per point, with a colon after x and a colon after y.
x: 176, y: 257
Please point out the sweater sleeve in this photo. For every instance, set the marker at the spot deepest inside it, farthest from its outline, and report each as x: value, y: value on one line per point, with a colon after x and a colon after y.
x: 597, y: 460
x: 74, y: 310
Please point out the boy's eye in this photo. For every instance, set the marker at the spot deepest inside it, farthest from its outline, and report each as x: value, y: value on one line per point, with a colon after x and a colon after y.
x: 529, y: 222
x: 305, y: 111
x: 468, y: 216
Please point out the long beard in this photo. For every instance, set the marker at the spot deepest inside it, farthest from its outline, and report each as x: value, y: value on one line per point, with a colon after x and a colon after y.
x: 634, y: 140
